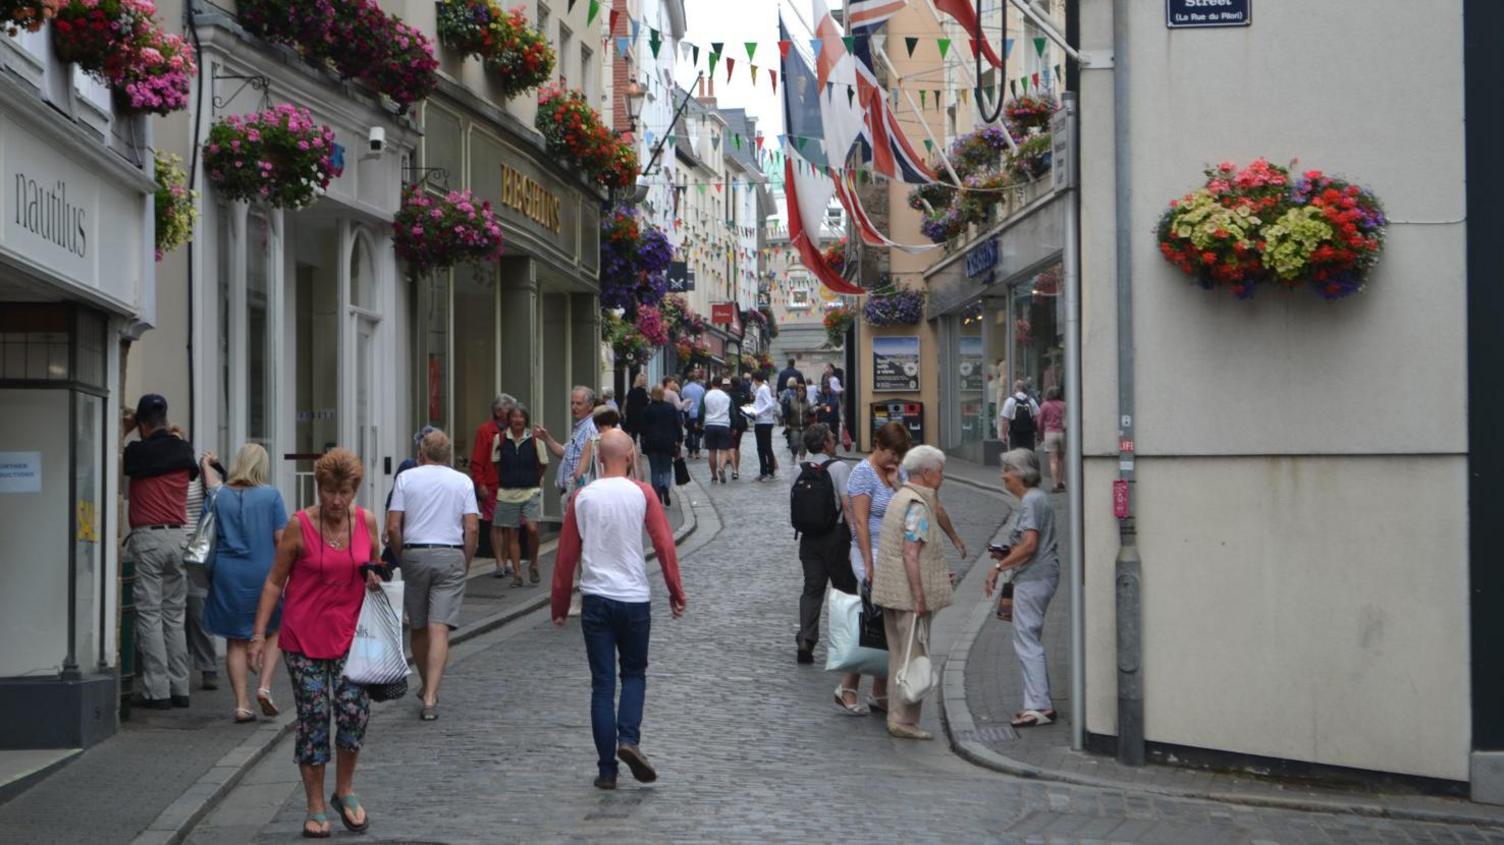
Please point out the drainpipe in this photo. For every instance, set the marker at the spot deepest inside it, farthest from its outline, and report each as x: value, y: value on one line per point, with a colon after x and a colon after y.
x: 1128, y: 569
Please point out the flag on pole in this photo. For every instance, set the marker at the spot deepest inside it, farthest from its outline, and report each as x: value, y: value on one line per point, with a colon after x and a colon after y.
x: 862, y: 14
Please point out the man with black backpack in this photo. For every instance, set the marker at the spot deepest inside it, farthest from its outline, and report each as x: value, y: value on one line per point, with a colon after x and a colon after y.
x: 1021, y: 414
x: 816, y: 509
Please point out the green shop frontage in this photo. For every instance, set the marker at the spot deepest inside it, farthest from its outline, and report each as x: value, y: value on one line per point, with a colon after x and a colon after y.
x: 527, y: 325
x: 997, y: 305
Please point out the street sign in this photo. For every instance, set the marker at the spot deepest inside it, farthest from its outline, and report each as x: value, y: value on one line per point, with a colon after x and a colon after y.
x: 1062, y: 160
x: 723, y: 313
x: 681, y: 279
x: 1120, y: 499
x: 1199, y: 14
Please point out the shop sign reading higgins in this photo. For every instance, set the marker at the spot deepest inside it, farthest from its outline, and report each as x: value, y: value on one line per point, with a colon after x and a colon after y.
x: 526, y: 196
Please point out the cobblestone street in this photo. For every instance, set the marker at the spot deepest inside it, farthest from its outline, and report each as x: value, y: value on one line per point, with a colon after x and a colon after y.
x: 748, y: 744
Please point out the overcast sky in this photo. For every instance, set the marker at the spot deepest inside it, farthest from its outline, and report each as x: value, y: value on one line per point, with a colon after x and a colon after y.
x: 736, y: 22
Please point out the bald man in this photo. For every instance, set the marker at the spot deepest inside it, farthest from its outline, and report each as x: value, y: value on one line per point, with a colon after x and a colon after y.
x: 603, y: 533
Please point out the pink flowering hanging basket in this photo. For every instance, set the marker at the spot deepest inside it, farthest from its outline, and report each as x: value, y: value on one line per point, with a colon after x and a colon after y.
x: 279, y: 157
x: 435, y: 232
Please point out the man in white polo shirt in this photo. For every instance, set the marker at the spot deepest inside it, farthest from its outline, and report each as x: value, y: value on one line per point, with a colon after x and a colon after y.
x: 435, y: 521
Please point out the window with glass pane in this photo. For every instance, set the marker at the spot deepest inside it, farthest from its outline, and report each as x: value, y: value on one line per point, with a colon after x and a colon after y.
x: 259, y: 356
x: 222, y: 345
x: 34, y: 342
x: 88, y: 495
x: 971, y: 375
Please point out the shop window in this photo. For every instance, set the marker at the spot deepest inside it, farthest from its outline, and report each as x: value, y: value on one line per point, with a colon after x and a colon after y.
x: 34, y: 342
x: 566, y: 46
x: 260, y: 355
x: 362, y: 276
x: 588, y: 81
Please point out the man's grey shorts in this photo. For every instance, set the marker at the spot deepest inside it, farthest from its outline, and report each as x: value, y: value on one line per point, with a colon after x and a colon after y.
x: 433, y: 586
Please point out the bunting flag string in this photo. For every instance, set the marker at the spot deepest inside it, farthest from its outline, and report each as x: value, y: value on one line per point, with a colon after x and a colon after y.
x: 622, y: 42
x: 634, y: 26
x: 944, y: 45
x: 751, y: 50
x: 730, y: 63
x: 773, y: 78
x: 655, y: 41
x: 611, y: 21
x: 753, y: 68
x: 595, y: 9
x: 909, y: 43
x: 1007, y: 48
x: 783, y: 48
x: 1039, y: 45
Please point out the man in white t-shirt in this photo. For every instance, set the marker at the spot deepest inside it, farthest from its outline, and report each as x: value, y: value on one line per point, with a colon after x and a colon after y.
x: 434, y: 521
x: 764, y: 416
x: 1019, y: 418
x: 603, y: 534
x: 717, y: 410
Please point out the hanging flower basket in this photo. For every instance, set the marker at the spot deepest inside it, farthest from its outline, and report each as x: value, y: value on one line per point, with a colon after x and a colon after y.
x: 279, y: 157
x: 573, y: 131
x: 937, y: 194
x: 157, y: 76
x: 835, y: 255
x: 28, y: 15
x: 765, y: 362
x: 770, y: 320
x: 1032, y: 159
x: 175, y: 210
x: 651, y: 326
x: 1028, y: 112
x: 837, y: 321
x: 517, y: 52
x: 748, y: 362
x: 634, y: 261
x: 627, y: 342
x: 898, y: 308
x: 432, y: 233
x: 1259, y: 225
x: 682, y: 321
x: 92, y: 33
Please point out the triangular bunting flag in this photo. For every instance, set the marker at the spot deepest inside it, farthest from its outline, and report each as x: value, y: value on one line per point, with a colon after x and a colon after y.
x: 758, y: 141
x: 799, y: 141
x: 975, y: 47
x: 814, y: 45
x: 595, y: 9
x: 773, y: 78
x: 701, y: 186
x: 695, y: 54
x: 737, y: 139
x: 1044, y: 74
x: 751, y: 49
x: 929, y: 146
x: 1013, y: 86
x: 571, y: 5
x: 634, y: 26
x: 754, y: 73
x: 1008, y: 47
x: 611, y: 21
x: 909, y: 43
x: 715, y: 46
x: 922, y: 94
x: 655, y: 41
x: 783, y: 48
x: 1025, y: 81
x: 850, y: 95
x: 830, y: 90
x: 850, y: 41
x: 962, y: 95
x: 944, y: 45
x: 938, y: 104
x: 1036, y: 81
x: 712, y: 59
x: 1057, y: 72
x: 621, y: 45
x: 1039, y: 46
x: 730, y: 63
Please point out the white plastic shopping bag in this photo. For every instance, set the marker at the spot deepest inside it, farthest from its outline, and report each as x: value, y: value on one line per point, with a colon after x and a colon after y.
x: 376, y: 652
x: 844, y: 652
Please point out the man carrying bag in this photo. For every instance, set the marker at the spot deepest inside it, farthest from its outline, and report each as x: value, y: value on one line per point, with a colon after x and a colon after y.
x: 817, y: 512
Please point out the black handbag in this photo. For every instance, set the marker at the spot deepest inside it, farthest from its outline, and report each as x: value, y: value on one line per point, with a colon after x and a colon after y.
x: 681, y: 472
x: 871, y: 634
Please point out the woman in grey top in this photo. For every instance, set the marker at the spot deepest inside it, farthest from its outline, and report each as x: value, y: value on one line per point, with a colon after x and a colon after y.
x: 1036, y: 556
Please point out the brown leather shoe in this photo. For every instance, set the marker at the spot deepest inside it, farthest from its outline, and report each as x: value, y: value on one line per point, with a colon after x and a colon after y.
x: 605, y: 782
x: 642, y: 770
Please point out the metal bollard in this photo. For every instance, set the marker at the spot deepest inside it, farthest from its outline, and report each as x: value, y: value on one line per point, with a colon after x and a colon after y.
x: 1129, y: 572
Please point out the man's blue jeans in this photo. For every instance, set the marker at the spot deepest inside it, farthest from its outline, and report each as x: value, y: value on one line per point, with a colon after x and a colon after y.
x: 613, y: 627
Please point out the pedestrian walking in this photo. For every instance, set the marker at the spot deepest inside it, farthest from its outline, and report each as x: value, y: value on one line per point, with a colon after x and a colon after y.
x: 483, y: 469
x: 606, y: 419
x: 1034, y: 554
x: 795, y: 417
x: 1021, y: 417
x: 434, y: 523
x: 603, y: 535
x: 521, y: 460
x: 1052, y: 420
x: 661, y: 437
x: 912, y: 579
x: 718, y: 413
x: 325, y: 563
x: 202, y: 654
x: 789, y: 372
x: 607, y: 397
x: 636, y: 403
x: 869, y: 489
x: 671, y: 396
x: 575, y: 455
x: 741, y: 396
x: 693, y: 396
x: 159, y: 467
x: 249, y: 520
x: 764, y: 417
x: 824, y: 555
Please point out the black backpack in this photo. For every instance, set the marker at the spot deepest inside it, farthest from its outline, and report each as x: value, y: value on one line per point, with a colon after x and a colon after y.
x: 1023, y: 419
x: 812, y: 502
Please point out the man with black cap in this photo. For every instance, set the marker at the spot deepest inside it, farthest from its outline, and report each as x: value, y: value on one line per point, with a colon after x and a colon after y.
x: 160, y: 466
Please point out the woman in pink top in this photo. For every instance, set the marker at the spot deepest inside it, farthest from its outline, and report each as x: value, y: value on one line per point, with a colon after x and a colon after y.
x: 321, y: 574
x: 1052, y: 420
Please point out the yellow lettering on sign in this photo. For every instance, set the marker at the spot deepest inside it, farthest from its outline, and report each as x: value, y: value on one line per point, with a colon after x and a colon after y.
x: 527, y: 197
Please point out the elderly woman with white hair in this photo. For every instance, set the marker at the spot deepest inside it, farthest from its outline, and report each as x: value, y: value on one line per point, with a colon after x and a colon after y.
x: 1033, y: 551
x: 911, y: 580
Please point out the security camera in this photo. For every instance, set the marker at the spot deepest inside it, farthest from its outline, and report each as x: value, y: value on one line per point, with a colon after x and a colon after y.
x: 377, y: 139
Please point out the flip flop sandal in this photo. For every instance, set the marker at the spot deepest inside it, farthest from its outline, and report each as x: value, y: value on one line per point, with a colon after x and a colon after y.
x: 1033, y: 718
x: 320, y: 819
x: 345, y: 805
x: 243, y: 715
x: 517, y: 581
x: 533, y: 575
x: 268, y: 707
x: 429, y: 713
x: 857, y: 709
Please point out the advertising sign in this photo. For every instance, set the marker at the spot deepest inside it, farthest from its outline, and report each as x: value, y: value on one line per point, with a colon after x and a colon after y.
x: 972, y: 366
x: 681, y: 279
x: 723, y: 313
x: 895, y: 363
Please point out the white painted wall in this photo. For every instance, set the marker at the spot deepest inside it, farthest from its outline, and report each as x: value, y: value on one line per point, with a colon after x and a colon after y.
x: 1306, y: 606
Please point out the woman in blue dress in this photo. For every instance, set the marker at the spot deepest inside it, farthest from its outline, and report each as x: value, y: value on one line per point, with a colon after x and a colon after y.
x: 249, y: 518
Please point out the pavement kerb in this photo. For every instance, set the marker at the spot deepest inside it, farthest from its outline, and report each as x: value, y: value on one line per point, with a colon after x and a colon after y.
x: 955, y: 716
x: 173, y: 824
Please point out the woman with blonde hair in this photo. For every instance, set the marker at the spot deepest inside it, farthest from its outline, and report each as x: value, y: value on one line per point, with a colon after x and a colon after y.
x: 249, y: 518
x: 325, y: 563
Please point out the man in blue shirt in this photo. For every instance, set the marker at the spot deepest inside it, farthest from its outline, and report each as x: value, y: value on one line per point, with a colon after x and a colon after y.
x: 692, y: 395
x: 574, y: 468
